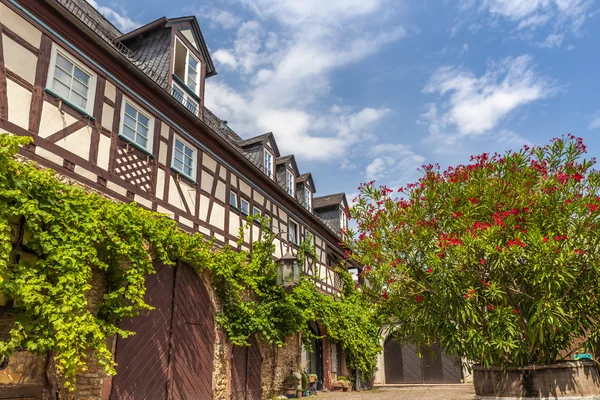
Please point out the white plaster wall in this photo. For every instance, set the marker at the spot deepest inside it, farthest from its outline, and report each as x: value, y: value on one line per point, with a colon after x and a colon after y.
x: 206, y: 182
x: 234, y: 224
x: 209, y: 162
x: 223, y: 173
x: 204, y: 201
x: 217, y: 216
x: 78, y: 143
x: 259, y: 198
x: 116, y: 188
x: 110, y: 92
x: 162, y: 153
x: 174, y: 197
x: 164, y: 130
x: 49, y: 156
x: 52, y: 120
x: 189, y: 193
x: 165, y: 211
x: 18, y: 59
x: 20, y: 26
x: 108, y: 115
x: 220, y: 192
x: 245, y: 188
x: 19, y: 104
x: 103, y: 152
x: 186, y: 222
x: 160, y: 184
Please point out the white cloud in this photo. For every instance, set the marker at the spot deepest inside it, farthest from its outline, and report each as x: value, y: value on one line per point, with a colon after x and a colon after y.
x: 120, y: 19
x: 394, y: 163
x: 220, y: 17
x: 285, y: 56
x: 474, y: 105
x: 558, y: 16
x: 595, y: 122
x: 552, y: 40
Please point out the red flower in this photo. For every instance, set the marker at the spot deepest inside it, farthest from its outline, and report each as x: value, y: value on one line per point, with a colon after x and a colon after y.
x: 577, y: 177
x: 472, y: 291
x: 483, y: 281
x: 490, y: 307
x: 441, y: 255
x: 545, y: 239
x: 482, y: 261
x: 391, y: 281
x: 466, y: 296
x: 430, y: 270
x: 385, y: 296
x: 515, y: 311
x: 418, y: 298
x: 568, y: 201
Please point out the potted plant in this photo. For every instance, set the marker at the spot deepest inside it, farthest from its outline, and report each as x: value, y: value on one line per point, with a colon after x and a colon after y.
x: 496, y: 260
x: 346, y: 385
x: 290, y: 385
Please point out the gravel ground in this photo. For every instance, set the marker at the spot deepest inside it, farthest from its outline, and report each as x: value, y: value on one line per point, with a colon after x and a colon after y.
x: 406, y: 392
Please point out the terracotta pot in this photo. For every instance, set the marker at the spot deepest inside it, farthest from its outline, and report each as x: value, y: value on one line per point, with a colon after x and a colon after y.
x: 569, y: 380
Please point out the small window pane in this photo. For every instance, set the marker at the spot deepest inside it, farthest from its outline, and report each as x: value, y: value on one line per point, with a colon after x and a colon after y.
x: 127, y: 131
x: 130, y: 110
x: 78, y: 100
x: 64, y: 63
x: 233, y: 199
x: 62, y: 76
x: 178, y: 144
x: 82, y: 76
x: 188, y: 170
x: 60, y: 88
x: 188, y: 151
x: 143, y: 120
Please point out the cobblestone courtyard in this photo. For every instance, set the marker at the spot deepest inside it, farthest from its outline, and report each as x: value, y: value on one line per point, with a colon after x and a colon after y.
x: 407, y: 392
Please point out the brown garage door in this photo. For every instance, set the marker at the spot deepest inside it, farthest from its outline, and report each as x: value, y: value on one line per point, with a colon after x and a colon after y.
x: 171, y: 355
x: 246, y: 365
x: 404, y: 366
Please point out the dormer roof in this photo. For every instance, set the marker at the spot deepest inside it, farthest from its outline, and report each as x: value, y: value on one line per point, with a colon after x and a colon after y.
x: 288, y: 160
x: 307, y: 177
x: 338, y: 199
x: 267, y: 139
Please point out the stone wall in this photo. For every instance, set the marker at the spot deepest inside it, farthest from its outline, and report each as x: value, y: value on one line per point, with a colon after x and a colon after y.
x: 279, y: 362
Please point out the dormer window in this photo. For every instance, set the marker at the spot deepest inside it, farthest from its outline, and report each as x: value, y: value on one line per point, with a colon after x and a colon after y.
x: 343, y: 219
x: 187, y: 67
x: 268, y: 163
x: 185, y: 98
x: 290, y: 182
x: 307, y: 198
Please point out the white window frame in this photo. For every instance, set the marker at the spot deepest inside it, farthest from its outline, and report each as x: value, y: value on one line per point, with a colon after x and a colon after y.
x: 256, y: 211
x: 289, y: 180
x: 150, y: 138
x: 185, y: 96
x: 196, y: 90
x: 89, y: 106
x: 308, y: 197
x: 295, y: 239
x: 344, y: 219
x: 194, y: 157
x: 271, y: 172
x: 234, y: 194
x: 247, y: 210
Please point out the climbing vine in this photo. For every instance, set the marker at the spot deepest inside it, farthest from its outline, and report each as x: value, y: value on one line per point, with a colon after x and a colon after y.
x: 56, y: 238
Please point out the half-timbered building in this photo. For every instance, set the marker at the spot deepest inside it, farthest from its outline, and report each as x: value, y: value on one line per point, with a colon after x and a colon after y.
x: 123, y: 113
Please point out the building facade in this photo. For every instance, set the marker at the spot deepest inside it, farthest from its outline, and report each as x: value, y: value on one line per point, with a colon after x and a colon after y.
x: 123, y: 114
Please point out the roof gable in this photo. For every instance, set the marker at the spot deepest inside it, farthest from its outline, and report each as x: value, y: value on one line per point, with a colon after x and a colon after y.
x: 266, y: 139
x: 288, y: 160
x: 338, y: 199
x: 307, y: 177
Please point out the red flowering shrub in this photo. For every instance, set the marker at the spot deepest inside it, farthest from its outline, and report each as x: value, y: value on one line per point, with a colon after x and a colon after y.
x: 464, y: 255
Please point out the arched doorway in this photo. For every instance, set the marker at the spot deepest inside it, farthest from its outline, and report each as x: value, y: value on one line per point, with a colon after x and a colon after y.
x: 315, y: 356
x: 246, y: 371
x: 403, y: 365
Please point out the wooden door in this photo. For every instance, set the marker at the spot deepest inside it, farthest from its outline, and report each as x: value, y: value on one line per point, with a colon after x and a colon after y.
x: 246, y: 372
x: 392, y: 358
x: 193, y: 338
x: 143, y: 359
x: 432, y: 364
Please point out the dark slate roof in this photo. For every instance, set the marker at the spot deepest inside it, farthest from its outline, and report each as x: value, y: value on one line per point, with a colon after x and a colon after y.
x: 151, y: 52
x: 220, y: 126
x: 307, y: 176
x: 284, y: 159
x: 330, y: 200
x: 94, y: 14
x: 254, y: 140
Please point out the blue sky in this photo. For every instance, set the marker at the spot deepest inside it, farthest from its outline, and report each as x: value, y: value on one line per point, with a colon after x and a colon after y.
x: 372, y: 89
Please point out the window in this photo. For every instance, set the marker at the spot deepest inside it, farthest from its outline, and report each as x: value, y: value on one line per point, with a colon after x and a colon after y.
x: 185, y: 98
x: 184, y: 157
x: 136, y: 126
x: 71, y: 81
x: 307, y: 198
x: 187, y: 67
x: 293, y: 232
x: 257, y: 211
x: 268, y: 160
x: 343, y: 219
x: 233, y: 199
x: 245, y: 206
x: 290, y: 182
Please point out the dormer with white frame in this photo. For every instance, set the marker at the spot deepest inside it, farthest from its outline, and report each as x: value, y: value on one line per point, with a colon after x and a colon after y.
x: 287, y: 171
x: 305, y: 188
x: 263, y: 151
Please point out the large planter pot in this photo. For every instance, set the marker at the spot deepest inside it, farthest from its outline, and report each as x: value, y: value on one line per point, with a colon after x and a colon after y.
x: 566, y: 380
